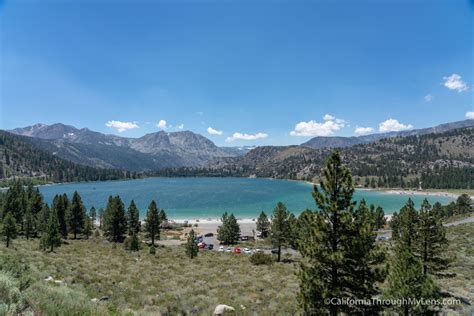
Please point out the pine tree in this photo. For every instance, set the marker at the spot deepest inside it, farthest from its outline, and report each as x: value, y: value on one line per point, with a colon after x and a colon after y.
x: 133, y: 219
x: 134, y: 242
x: 88, y: 227
x: 405, y: 224
x: 463, y: 204
x: 293, y: 233
x: 76, y: 215
x: 229, y: 232
x: 29, y: 226
x: 51, y: 237
x: 9, y: 228
x: 93, y: 214
x: 191, y: 245
x: 15, y: 202
x: 152, y: 222
x: 331, y: 263
x: 163, y: 216
x: 380, y: 220
x: 406, y: 281
x: 431, y: 241
x: 280, y: 229
x: 34, y: 204
x: 43, y: 218
x: 263, y: 224
x: 60, y: 207
x: 115, y: 220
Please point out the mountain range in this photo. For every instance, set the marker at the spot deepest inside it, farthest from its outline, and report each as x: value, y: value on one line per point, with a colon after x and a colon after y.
x: 407, y: 154
x: 341, y: 142
x: 150, y: 152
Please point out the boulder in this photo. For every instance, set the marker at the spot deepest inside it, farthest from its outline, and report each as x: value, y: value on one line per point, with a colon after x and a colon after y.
x: 222, y: 309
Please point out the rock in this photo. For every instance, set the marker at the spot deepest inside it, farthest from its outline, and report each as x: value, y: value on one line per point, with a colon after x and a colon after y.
x: 94, y: 300
x: 50, y: 278
x: 60, y: 282
x: 221, y: 309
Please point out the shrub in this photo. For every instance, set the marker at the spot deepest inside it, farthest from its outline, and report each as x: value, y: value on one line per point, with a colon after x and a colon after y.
x: 260, y: 258
x: 12, y: 300
x: 152, y: 250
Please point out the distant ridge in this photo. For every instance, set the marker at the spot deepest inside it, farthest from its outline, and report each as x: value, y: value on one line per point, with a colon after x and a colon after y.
x: 150, y: 152
x: 341, y: 142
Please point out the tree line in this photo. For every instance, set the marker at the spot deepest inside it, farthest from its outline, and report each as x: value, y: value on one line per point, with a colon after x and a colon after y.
x: 24, y: 212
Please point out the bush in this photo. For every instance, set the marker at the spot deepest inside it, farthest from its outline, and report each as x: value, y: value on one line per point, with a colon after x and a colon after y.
x: 260, y: 258
x: 12, y: 300
x: 152, y: 250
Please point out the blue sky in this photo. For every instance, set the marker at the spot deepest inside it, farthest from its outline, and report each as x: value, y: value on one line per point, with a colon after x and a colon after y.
x: 255, y: 72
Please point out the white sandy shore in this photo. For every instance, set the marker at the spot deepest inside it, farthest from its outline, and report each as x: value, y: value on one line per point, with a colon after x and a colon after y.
x: 407, y: 192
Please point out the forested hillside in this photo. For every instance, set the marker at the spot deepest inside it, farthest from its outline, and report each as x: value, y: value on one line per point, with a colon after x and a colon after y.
x: 19, y: 157
x: 442, y: 160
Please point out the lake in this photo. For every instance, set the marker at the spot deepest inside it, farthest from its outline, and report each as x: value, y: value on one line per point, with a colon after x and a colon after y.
x: 192, y: 198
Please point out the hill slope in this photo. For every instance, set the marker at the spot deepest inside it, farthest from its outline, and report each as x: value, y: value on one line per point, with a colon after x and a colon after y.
x: 444, y: 160
x: 22, y: 157
x: 341, y: 142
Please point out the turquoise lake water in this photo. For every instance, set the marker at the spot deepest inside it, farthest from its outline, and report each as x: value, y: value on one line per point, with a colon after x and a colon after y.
x: 192, y: 198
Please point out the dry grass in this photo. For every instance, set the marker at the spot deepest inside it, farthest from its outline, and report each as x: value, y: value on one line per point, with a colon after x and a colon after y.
x: 168, y: 282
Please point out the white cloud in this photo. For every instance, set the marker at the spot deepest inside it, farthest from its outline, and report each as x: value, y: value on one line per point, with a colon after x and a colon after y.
x: 328, y: 117
x: 162, y: 124
x: 313, y: 128
x: 121, y: 126
x: 428, y: 98
x: 363, y: 130
x: 454, y: 82
x: 392, y: 125
x: 180, y: 126
x: 212, y: 131
x: 240, y: 136
x: 470, y: 115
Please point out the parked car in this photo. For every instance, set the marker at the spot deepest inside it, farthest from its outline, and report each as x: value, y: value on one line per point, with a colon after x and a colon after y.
x: 244, y: 238
x: 228, y: 249
x: 221, y: 249
x: 210, y: 246
x: 237, y: 249
x: 247, y: 251
x: 209, y: 235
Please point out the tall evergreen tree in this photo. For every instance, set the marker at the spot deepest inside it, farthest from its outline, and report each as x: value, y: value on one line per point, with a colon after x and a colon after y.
x: 464, y: 204
x: 405, y: 224
x: 280, y: 227
x: 34, y: 204
x: 76, y: 215
x: 331, y: 262
x: 191, y: 245
x: 9, y: 228
x: 380, y: 220
x: 93, y: 214
x: 263, y: 224
x: 407, y: 282
x: 15, y: 202
x: 115, y: 220
x: 60, y: 207
x: 51, y: 237
x: 133, y: 219
x: 152, y: 222
x: 88, y: 227
x: 43, y: 218
x: 229, y: 232
x: 431, y: 242
x: 29, y: 226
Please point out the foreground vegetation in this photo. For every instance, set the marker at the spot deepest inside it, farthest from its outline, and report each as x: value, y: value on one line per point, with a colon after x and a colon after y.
x: 114, y: 272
